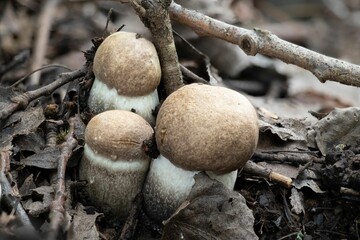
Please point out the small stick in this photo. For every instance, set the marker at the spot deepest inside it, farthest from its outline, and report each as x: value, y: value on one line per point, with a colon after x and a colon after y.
x: 294, y: 158
x: 129, y: 228
x: 57, y: 212
x: 51, y: 133
x: 7, y: 194
x: 195, y: 78
x: 349, y: 191
x: 255, y: 169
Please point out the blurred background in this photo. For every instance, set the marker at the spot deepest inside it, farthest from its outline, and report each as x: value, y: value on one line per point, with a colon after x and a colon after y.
x: 56, y: 32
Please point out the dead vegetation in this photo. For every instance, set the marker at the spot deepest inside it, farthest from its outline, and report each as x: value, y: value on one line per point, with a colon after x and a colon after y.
x: 303, y: 181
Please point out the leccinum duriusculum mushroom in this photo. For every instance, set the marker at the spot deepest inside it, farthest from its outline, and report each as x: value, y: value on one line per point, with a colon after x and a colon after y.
x: 198, y: 128
x: 114, y: 162
x: 127, y: 72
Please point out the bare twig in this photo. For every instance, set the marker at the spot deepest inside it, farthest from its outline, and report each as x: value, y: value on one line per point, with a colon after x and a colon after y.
x: 349, y: 192
x: 195, y: 78
x: 264, y: 42
x: 42, y: 36
x: 51, y: 133
x: 8, y: 195
x: 257, y: 170
x: 128, y: 230
x: 293, y: 158
x: 57, y: 212
x: 39, y: 69
x: 22, y: 100
x: 155, y: 16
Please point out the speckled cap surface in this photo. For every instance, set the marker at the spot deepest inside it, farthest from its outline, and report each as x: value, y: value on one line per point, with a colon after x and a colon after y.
x: 118, y: 134
x: 129, y: 63
x: 203, y: 127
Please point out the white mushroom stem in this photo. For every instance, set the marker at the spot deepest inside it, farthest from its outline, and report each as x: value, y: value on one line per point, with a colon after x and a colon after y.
x: 167, y: 186
x: 103, y: 98
x: 227, y: 179
x: 119, y: 165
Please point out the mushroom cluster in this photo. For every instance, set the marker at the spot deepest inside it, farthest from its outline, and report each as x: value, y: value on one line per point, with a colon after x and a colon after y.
x: 127, y: 72
x: 198, y: 128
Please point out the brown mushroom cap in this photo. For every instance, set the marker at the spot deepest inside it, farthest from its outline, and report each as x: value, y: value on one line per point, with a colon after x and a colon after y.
x: 128, y: 63
x: 118, y: 134
x: 202, y: 127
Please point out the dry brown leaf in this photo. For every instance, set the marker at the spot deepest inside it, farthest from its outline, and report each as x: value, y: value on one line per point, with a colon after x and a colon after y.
x: 83, y: 225
x: 341, y: 126
x: 213, y: 212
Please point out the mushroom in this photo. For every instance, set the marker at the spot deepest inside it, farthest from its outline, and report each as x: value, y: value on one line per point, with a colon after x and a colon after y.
x: 198, y: 128
x: 127, y: 72
x: 114, y: 162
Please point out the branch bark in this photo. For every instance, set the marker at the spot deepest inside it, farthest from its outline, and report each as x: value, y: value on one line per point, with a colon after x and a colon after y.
x: 264, y: 42
x: 154, y: 14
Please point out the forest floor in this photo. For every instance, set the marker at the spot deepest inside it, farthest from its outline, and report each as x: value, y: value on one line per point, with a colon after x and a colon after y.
x: 309, y: 131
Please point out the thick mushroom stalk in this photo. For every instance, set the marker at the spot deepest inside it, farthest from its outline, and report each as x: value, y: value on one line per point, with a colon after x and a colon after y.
x: 127, y: 72
x: 167, y: 186
x: 114, y: 162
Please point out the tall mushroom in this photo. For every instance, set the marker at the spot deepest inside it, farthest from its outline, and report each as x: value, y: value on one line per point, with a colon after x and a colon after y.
x: 198, y: 128
x: 114, y: 162
x: 127, y: 72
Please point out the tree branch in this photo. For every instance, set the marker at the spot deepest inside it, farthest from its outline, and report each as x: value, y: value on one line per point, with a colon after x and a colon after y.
x: 264, y: 42
x: 155, y: 16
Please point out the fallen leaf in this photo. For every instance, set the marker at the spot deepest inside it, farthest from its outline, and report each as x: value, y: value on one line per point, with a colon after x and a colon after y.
x: 341, y: 126
x: 35, y: 207
x: 213, y: 212
x: 83, y: 225
x: 20, y: 123
x: 297, y: 201
x: 300, y: 183
x: 27, y: 187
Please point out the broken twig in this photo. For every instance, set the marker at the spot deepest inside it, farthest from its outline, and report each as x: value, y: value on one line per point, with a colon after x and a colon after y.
x: 257, y: 170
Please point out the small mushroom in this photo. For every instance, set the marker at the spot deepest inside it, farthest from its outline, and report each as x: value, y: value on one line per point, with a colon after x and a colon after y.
x: 198, y: 128
x: 127, y: 72
x: 114, y: 162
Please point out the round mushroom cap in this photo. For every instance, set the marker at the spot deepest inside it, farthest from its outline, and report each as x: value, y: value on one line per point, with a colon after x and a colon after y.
x: 128, y: 63
x: 118, y: 134
x: 207, y: 128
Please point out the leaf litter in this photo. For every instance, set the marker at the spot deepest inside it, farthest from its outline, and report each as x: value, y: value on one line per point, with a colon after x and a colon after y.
x: 307, y: 133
